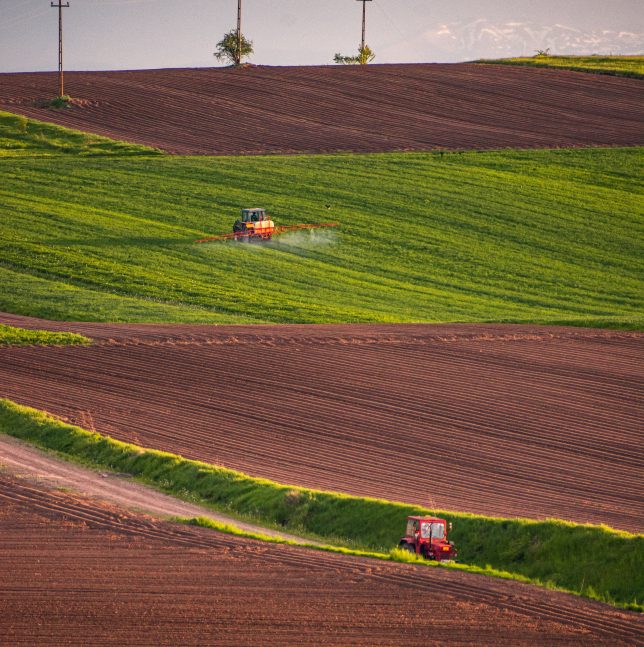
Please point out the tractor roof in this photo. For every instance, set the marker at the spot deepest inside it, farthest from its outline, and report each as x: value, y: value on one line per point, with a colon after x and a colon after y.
x: 424, y: 518
x: 254, y: 209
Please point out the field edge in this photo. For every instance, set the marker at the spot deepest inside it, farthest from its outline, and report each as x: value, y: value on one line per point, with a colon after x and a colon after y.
x: 607, y: 565
x: 631, y: 65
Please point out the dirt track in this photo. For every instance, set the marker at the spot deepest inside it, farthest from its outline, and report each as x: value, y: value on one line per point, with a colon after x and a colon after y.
x: 74, y: 571
x: 326, y: 109
x: 19, y: 458
x: 501, y: 420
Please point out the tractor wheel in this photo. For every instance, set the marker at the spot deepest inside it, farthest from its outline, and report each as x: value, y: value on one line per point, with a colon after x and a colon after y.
x: 408, y: 547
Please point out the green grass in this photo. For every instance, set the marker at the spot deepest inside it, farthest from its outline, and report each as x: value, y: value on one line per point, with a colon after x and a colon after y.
x: 632, y: 66
x: 20, y: 136
x: 512, y: 236
x: 394, y: 554
x: 64, y: 101
x: 595, y: 561
x: 12, y: 336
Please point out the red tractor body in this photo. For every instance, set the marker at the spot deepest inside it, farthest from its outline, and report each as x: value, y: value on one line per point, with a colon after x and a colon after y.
x: 427, y: 537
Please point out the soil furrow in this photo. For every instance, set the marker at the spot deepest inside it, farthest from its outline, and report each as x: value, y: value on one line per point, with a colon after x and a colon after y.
x: 517, y: 420
x: 94, y: 574
x: 460, y: 106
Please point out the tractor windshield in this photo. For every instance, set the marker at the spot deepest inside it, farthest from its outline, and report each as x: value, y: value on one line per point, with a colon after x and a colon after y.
x: 435, y: 529
x: 249, y: 215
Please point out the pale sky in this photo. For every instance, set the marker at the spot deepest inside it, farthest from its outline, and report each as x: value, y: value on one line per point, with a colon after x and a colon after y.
x: 137, y: 34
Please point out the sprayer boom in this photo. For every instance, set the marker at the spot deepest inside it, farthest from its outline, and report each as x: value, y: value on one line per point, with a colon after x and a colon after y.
x: 256, y: 225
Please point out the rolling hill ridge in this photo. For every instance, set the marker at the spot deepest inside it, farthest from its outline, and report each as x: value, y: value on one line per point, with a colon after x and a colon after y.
x: 325, y: 109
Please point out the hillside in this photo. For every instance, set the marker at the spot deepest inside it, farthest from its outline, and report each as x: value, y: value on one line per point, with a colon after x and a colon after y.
x: 466, y: 342
x: 540, y: 236
x: 511, y: 419
x: 262, y: 109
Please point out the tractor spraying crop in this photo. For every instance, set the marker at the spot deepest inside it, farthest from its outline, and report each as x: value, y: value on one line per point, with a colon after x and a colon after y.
x: 256, y: 225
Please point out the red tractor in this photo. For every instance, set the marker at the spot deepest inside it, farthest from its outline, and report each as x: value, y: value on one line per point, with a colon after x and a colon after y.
x: 427, y: 537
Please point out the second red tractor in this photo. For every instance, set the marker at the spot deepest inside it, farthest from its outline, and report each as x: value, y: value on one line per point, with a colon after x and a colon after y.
x: 427, y: 537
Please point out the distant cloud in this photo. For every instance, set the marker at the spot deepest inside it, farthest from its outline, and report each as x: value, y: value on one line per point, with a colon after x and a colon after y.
x: 485, y: 39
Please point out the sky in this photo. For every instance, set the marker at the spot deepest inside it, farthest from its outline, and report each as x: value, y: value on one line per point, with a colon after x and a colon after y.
x: 140, y: 34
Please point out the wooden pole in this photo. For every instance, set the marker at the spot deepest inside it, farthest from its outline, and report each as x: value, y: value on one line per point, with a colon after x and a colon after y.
x: 61, y: 80
x: 364, y: 24
x: 239, y: 32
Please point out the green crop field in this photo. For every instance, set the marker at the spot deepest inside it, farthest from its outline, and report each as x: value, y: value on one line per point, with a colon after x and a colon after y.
x: 632, y: 66
x: 108, y: 234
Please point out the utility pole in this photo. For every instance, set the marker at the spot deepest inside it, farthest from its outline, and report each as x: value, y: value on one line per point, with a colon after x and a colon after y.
x: 61, y: 81
x: 239, y: 33
x: 364, y: 22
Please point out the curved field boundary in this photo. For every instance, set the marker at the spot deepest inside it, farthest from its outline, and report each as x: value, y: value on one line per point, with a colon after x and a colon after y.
x: 509, y: 420
x: 271, y: 335
x: 553, y: 549
x: 130, y: 553
x: 371, y: 108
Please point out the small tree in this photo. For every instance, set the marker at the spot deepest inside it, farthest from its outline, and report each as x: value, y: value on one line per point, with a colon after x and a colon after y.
x: 365, y: 55
x: 228, y: 48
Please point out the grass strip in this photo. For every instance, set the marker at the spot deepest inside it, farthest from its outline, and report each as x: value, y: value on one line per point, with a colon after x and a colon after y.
x: 630, y: 66
x: 594, y: 561
x: 394, y: 554
x: 12, y: 336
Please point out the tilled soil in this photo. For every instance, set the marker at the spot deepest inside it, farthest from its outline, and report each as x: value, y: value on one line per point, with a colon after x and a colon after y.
x: 501, y: 420
x: 75, y: 571
x: 262, y: 109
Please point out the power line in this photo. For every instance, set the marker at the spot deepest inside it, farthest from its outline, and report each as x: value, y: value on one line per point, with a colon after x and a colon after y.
x: 392, y: 22
x: 60, y: 6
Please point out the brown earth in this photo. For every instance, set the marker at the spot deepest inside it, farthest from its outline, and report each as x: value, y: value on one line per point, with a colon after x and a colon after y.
x: 77, y: 571
x: 497, y: 419
x: 261, y: 109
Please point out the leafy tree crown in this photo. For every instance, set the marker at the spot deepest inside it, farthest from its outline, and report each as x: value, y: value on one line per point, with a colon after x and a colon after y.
x: 228, y: 48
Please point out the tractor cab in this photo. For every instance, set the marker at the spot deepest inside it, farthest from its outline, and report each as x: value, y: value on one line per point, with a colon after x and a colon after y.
x: 427, y: 537
x: 254, y: 224
x: 253, y: 215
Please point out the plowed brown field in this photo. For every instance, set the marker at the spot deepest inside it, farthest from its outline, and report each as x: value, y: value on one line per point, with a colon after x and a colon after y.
x: 73, y: 571
x: 509, y: 420
x: 326, y: 109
